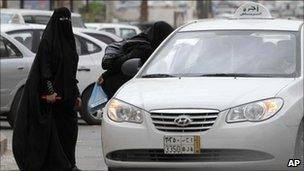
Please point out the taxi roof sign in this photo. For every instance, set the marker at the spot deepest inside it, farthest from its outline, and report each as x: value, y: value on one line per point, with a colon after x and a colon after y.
x: 250, y: 10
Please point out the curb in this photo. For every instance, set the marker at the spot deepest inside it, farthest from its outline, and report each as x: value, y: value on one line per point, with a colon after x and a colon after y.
x: 3, y: 144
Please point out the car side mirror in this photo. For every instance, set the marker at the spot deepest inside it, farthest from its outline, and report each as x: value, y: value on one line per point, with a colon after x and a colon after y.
x: 131, y: 66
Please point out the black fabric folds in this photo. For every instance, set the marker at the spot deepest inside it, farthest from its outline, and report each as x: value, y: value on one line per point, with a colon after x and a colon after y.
x: 37, y: 144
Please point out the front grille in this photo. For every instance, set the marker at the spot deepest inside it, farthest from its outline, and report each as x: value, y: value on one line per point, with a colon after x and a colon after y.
x: 201, y: 120
x: 207, y: 155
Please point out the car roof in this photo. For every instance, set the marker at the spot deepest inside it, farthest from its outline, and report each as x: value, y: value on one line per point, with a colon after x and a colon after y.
x: 15, y: 27
x: 243, y: 24
x: 31, y: 12
x: 111, y: 35
x: 111, y: 25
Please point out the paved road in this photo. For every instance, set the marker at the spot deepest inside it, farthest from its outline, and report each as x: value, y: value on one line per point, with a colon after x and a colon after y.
x: 88, y: 152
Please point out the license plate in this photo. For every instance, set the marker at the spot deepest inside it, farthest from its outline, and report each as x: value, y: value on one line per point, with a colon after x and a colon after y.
x: 182, y: 144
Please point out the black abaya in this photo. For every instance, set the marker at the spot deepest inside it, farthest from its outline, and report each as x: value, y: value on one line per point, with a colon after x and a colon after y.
x: 114, y: 78
x: 45, y: 134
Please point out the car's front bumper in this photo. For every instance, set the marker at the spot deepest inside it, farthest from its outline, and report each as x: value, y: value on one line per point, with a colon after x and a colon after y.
x: 266, y: 145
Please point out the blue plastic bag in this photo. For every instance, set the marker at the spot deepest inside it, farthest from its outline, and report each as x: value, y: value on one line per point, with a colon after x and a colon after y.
x: 98, y: 98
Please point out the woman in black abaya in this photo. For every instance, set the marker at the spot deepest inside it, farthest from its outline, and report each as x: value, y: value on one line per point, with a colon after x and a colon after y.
x: 45, y: 130
x: 113, y: 78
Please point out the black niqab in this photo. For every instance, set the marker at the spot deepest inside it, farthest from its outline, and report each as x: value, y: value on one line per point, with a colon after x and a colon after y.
x: 36, y: 145
x: 158, y: 32
x: 59, y: 35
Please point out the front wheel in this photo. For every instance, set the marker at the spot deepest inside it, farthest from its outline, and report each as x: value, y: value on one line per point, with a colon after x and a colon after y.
x: 92, y: 118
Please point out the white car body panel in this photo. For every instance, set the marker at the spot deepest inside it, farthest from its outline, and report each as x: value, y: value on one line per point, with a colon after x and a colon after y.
x: 145, y: 93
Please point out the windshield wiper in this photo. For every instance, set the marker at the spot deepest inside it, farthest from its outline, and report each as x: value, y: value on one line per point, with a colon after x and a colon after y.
x: 227, y: 75
x: 157, y: 76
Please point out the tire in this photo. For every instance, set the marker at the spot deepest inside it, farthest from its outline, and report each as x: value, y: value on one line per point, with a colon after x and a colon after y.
x: 89, y: 117
x: 13, y: 112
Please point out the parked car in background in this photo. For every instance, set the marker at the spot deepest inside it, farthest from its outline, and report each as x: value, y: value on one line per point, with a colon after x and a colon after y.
x: 15, y: 61
x: 89, y: 49
x: 22, y: 16
x: 142, y: 25
x: 299, y: 12
x: 218, y: 93
x: 103, y: 36
x: 123, y: 30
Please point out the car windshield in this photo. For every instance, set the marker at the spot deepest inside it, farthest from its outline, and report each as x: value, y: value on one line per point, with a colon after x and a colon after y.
x: 6, y: 18
x: 227, y: 54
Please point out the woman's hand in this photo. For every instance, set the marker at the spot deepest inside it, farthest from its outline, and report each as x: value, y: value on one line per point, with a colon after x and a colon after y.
x: 100, y: 80
x: 51, y: 98
x: 78, y: 103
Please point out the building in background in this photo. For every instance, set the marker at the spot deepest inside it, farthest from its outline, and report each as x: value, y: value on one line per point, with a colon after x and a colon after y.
x: 174, y: 12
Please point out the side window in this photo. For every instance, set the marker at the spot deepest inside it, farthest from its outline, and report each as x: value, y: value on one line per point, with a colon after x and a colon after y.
x: 42, y: 19
x: 8, y: 50
x: 110, y: 30
x: 38, y: 19
x: 85, y: 47
x: 25, y: 37
x: 127, y: 33
x: 28, y: 19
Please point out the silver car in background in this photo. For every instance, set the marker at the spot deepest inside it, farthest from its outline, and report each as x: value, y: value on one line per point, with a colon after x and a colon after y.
x: 89, y: 49
x: 123, y: 30
x: 15, y: 61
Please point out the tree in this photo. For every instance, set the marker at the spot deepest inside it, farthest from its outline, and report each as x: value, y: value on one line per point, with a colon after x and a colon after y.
x: 144, y: 11
x: 94, y: 12
x: 204, y: 8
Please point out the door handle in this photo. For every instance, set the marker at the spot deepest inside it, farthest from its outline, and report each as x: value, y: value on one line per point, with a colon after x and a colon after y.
x: 84, y: 69
x: 20, y: 67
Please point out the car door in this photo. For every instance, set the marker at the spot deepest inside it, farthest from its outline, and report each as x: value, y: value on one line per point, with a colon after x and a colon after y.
x: 86, y: 72
x: 13, y: 70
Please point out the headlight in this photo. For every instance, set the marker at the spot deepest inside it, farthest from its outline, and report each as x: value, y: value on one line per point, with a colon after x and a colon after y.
x: 256, y: 111
x: 119, y: 111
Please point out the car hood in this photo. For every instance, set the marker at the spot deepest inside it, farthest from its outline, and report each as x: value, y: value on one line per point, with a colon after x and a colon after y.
x: 207, y: 93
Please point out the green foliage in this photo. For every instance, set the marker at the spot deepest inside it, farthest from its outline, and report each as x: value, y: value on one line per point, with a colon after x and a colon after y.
x: 95, y: 11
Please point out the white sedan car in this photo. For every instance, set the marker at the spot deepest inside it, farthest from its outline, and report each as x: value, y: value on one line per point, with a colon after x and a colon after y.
x: 90, y: 52
x: 216, y: 94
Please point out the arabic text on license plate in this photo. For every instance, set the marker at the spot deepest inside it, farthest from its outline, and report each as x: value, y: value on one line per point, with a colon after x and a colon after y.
x: 182, y: 144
